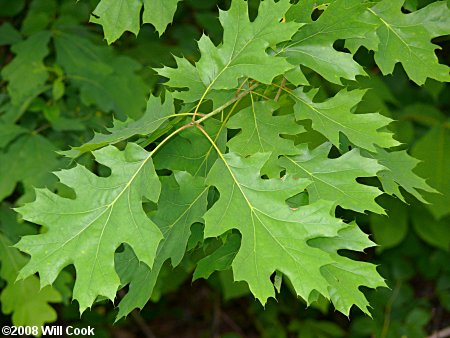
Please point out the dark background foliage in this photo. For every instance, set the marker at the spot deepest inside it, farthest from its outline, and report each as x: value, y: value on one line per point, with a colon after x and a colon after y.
x: 83, y: 83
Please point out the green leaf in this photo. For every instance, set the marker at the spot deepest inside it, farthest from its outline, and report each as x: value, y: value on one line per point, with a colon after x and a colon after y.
x: 313, y: 328
x: 433, y: 149
x: 180, y: 154
x: 86, y: 231
x: 335, y: 116
x: 110, y: 82
x: 219, y: 260
x: 24, y: 299
x: 28, y: 160
x: 335, y: 179
x: 242, y: 53
x: 346, y: 275
x: 28, y: 64
x: 159, y: 13
x: 313, y: 47
x: 10, y: 226
x: 118, y: 16
x: 11, y: 8
x: 232, y: 289
x: 9, y: 132
x: 8, y: 34
x: 399, y: 172
x: 156, y: 114
x: 39, y: 15
x: 432, y: 231
x: 406, y: 38
x: 274, y: 237
x: 261, y: 132
x: 58, y: 89
x: 182, y: 203
x: 389, y: 230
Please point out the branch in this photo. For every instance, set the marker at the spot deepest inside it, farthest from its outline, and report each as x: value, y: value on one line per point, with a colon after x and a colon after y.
x: 445, y: 332
x: 142, y: 324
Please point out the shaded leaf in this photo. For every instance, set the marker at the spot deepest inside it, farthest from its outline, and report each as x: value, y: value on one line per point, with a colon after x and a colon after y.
x: 400, y: 172
x: 28, y: 160
x: 261, y: 132
x: 24, y: 299
x: 180, y: 153
x: 389, y: 230
x: 433, y: 149
x: 182, y: 202
x: 219, y: 260
x: 155, y: 115
x: 432, y: 231
x: 108, y: 81
x: 28, y: 64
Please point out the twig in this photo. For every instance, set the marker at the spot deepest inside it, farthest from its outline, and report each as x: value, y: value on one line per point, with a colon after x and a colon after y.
x: 388, y: 309
x: 41, y: 128
x: 228, y: 103
x: 215, y: 325
x: 142, y: 324
x: 227, y: 319
x: 240, y: 87
x: 283, y: 82
x: 139, y: 320
x: 445, y: 332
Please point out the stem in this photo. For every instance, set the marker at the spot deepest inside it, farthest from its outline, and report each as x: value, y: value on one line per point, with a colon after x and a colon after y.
x: 142, y: 324
x: 240, y: 87
x: 41, y: 128
x: 228, y: 103
x: 388, y: 309
x: 210, y: 140
x: 283, y: 82
x: 186, y: 126
x: 201, y: 101
x: 224, y: 121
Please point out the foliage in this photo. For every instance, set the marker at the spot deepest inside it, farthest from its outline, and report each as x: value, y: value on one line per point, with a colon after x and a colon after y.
x: 264, y: 155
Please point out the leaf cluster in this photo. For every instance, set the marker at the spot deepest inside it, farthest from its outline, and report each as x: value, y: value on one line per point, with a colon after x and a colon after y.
x: 249, y: 158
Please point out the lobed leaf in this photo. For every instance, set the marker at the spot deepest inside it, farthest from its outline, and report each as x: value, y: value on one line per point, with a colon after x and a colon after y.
x: 24, y: 299
x: 257, y: 208
x: 28, y: 64
x: 312, y: 45
x: 433, y: 149
x: 156, y: 114
x: 399, y: 173
x: 346, y: 275
x: 406, y: 38
x: 182, y: 202
x: 261, y: 132
x: 242, y: 53
x: 86, y: 231
x: 118, y: 16
x: 334, y: 180
x: 335, y: 116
